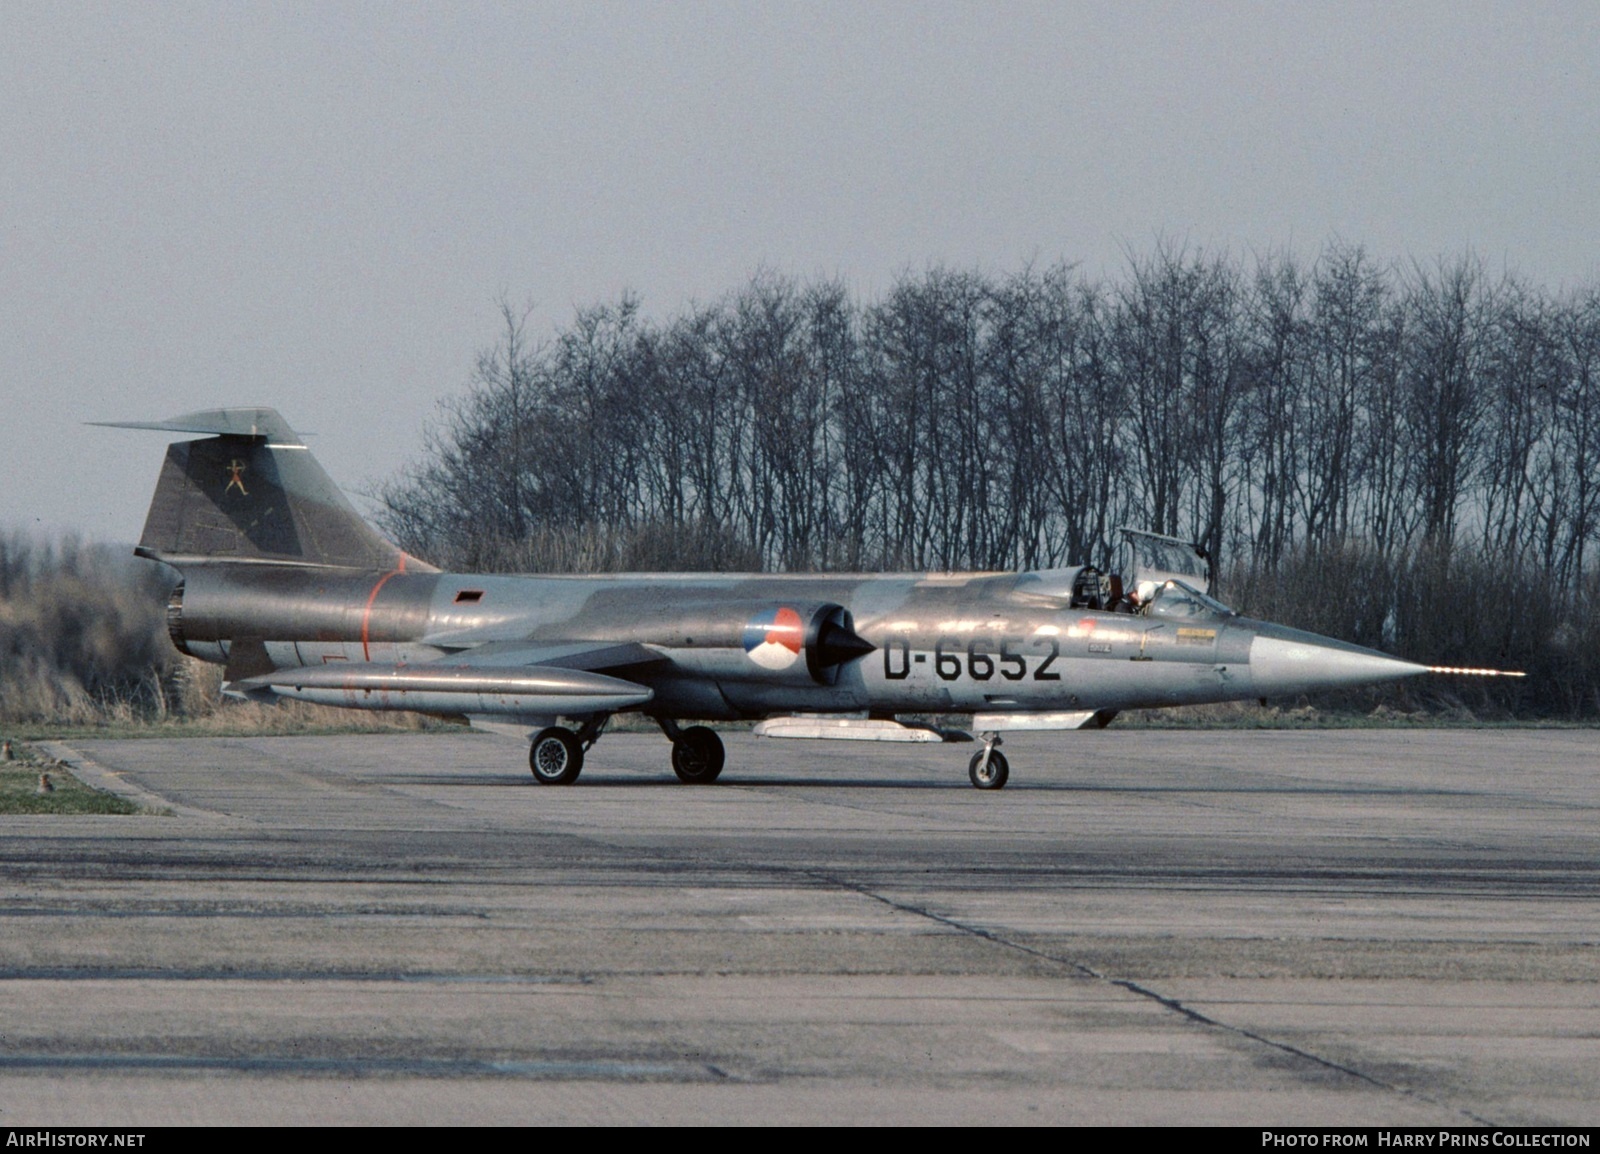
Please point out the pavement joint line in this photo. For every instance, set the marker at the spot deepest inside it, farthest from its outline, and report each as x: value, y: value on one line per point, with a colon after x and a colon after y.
x: 96, y: 776
x: 369, y: 977
x: 1132, y: 987
x: 551, y: 1069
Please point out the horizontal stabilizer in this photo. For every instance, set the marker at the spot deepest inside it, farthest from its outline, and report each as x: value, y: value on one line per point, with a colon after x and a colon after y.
x: 262, y: 424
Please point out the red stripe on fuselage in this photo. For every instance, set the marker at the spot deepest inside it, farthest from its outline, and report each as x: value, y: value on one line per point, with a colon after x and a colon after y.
x: 372, y: 598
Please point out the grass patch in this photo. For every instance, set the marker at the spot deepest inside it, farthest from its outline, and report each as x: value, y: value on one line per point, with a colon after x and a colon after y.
x: 233, y: 719
x: 20, y: 788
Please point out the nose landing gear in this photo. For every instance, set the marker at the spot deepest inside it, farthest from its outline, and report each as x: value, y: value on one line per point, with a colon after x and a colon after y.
x: 989, y: 768
x: 556, y: 754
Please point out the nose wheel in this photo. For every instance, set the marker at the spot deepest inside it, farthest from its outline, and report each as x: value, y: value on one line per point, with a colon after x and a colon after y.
x: 989, y: 768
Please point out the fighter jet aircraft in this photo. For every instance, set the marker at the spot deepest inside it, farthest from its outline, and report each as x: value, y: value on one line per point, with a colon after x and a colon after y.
x: 286, y: 586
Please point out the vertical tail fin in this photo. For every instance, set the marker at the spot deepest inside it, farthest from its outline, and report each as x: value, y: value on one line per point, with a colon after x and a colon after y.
x: 252, y: 492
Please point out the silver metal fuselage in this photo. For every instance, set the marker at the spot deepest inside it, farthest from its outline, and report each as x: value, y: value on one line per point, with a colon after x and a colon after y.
x: 957, y: 643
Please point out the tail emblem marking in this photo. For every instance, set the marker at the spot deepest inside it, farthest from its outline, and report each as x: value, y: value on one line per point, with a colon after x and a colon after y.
x: 236, y: 478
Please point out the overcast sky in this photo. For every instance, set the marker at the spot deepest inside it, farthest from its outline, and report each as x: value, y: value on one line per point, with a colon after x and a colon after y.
x: 317, y: 206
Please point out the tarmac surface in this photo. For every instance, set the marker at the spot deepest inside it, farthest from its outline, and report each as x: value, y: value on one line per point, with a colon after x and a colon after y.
x: 1378, y: 927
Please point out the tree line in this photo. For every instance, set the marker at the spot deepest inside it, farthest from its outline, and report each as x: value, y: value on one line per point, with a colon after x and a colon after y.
x: 1404, y: 453
x: 973, y: 421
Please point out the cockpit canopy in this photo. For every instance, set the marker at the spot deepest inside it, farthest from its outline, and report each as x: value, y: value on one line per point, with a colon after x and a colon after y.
x: 1175, y: 599
x: 1158, y: 558
x: 1166, y: 580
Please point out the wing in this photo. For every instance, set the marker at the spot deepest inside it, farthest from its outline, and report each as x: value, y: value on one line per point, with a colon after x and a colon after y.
x: 582, y: 655
x: 507, y: 678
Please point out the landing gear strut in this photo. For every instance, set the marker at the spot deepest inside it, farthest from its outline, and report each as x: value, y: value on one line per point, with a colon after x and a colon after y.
x: 989, y: 768
x: 697, y: 753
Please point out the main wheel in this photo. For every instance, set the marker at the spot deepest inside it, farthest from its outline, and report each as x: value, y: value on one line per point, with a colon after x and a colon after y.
x: 697, y: 756
x: 991, y: 776
x: 555, y: 756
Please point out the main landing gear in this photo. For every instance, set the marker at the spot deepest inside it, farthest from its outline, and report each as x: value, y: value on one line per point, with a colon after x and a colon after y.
x: 697, y: 753
x: 556, y: 755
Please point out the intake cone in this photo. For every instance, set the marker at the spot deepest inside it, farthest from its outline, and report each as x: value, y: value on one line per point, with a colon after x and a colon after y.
x: 837, y: 644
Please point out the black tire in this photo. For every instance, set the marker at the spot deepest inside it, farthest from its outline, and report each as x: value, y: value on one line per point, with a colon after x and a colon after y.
x: 992, y: 777
x: 555, y: 756
x: 697, y: 756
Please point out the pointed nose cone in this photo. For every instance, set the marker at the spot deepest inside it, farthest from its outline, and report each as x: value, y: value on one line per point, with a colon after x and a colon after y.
x: 1285, y: 661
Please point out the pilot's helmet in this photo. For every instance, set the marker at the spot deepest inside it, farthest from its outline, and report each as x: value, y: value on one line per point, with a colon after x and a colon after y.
x: 1145, y: 591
